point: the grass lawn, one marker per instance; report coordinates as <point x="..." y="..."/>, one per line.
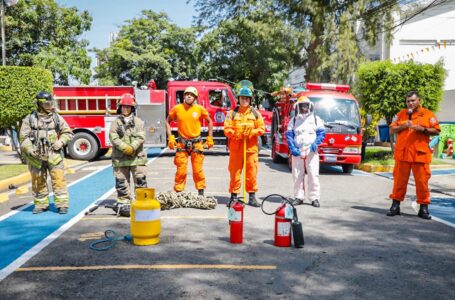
<point x="7" y="171"/>
<point x="378" y="156"/>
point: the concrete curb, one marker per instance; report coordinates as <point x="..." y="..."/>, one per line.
<point x="16" y="180"/>
<point x="374" y="168"/>
<point x="388" y="168"/>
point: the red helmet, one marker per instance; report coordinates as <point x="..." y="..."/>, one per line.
<point x="127" y="100"/>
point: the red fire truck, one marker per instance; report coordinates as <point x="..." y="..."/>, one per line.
<point x="90" y="111"/>
<point x="340" y="112"/>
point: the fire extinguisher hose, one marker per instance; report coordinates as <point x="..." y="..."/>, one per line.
<point x="111" y="238"/>
<point x="285" y="200"/>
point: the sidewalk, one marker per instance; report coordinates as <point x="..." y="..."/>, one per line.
<point x="8" y="156"/>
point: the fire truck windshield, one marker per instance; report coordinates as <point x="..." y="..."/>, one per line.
<point x="337" y="111"/>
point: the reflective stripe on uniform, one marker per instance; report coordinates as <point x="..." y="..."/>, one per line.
<point x="55" y="160"/>
<point x="60" y="200"/>
<point x="41" y="202"/>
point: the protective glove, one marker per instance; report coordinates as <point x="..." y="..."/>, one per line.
<point x="129" y="150"/>
<point x="238" y="135"/>
<point x="209" y="142"/>
<point x="247" y="131"/>
<point x="320" y="136"/>
<point x="314" y="147"/>
<point x="172" y="144"/>
<point x="57" y="145"/>
<point x="295" y="151"/>
<point x="32" y="153"/>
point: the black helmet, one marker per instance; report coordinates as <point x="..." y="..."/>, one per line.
<point x="45" y="101"/>
<point x="43" y="96"/>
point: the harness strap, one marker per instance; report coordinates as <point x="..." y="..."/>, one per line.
<point x="236" y="110"/>
<point x="189" y="144"/>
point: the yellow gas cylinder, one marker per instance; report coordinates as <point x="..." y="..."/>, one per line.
<point x="145" y="218"/>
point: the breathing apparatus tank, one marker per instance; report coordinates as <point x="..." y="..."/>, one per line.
<point x="145" y="218"/>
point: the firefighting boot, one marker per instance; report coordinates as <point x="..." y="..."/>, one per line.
<point x="200" y="192"/>
<point x="125" y="210"/>
<point x="252" y="200"/>
<point x="394" y="209"/>
<point x="315" y="203"/>
<point x="63" y="210"/>
<point x="121" y="209"/>
<point x="297" y="201"/>
<point x="423" y="212"/>
<point x="38" y="210"/>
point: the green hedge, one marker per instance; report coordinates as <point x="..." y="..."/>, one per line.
<point x="18" y="88"/>
<point x="381" y="86"/>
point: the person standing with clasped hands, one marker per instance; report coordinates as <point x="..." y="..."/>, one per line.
<point x="304" y="134"/>
<point x="413" y="125"/>
<point x="127" y="135"/>
<point x="243" y="125"/>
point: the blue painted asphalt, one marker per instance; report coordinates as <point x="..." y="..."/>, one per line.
<point x="433" y="173"/>
<point x="443" y="208"/>
<point x="23" y="230"/>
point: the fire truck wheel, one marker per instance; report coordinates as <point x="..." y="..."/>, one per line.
<point x="348" y="168"/>
<point x="83" y="146"/>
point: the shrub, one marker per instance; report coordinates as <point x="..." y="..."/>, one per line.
<point x="18" y="88"/>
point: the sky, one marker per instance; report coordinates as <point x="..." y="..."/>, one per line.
<point x="109" y="15"/>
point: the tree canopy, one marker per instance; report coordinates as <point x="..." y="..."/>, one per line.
<point x="331" y="31"/>
<point x="42" y="33"/>
<point x="262" y="51"/>
<point x="18" y="88"/>
<point x="381" y="86"/>
<point x="148" y="47"/>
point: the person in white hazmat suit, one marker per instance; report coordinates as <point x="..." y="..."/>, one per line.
<point x="304" y="134"/>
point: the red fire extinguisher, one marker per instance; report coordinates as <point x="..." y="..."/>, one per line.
<point x="282" y="228"/>
<point x="287" y="225"/>
<point x="235" y="217"/>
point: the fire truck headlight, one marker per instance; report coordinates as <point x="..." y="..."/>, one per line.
<point x="352" y="149"/>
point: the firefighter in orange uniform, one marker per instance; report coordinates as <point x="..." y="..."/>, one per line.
<point x="413" y="126"/>
<point x="244" y="122"/>
<point x="189" y="142"/>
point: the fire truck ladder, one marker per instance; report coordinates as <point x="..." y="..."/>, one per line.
<point x="87" y="105"/>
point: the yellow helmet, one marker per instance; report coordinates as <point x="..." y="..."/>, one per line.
<point x="303" y="101"/>
<point x="192" y="90"/>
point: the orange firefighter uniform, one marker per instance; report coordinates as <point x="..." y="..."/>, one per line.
<point x="189" y="143"/>
<point x="412" y="152"/>
<point x="243" y="123"/>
